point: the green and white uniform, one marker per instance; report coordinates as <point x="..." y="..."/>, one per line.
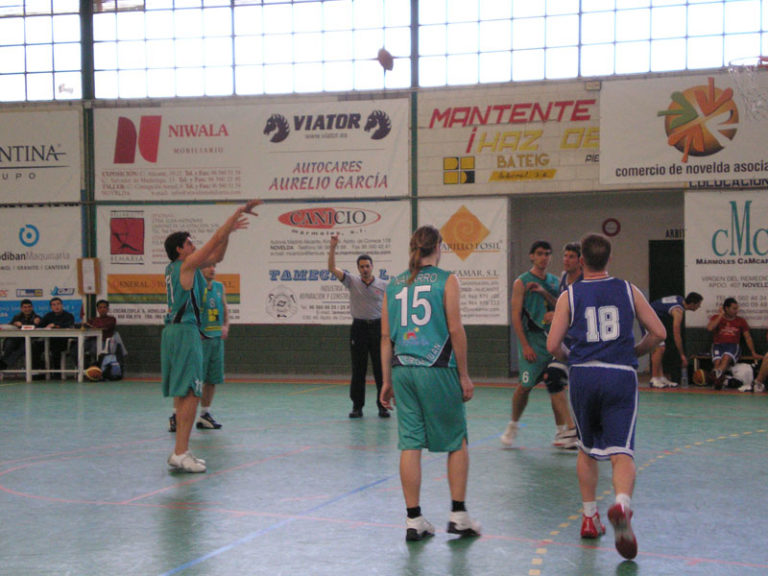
<point x="430" y="408"/>
<point x="211" y="321"/>
<point x="181" y="350"/>
<point x="534" y="308"/>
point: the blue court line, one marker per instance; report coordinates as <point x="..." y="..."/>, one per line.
<point x="248" y="537"/>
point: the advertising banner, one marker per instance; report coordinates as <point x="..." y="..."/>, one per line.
<point x="356" y="149"/>
<point x="726" y="253"/>
<point x="40" y="156"/>
<point x="475" y="249"/>
<point x="509" y="140"/>
<point x="274" y="272"/>
<point x="40" y="248"/>
<point x="686" y="129"/>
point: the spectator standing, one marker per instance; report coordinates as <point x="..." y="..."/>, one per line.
<point x="365" y="297"/>
<point x="597" y="316"/>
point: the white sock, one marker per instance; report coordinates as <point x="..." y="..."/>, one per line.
<point x="589" y="508"/>
<point x="204" y="409"/>
<point x="625" y="500"/>
<point x="562" y="428"/>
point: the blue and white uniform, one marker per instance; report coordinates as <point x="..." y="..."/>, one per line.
<point x="603" y="376"/>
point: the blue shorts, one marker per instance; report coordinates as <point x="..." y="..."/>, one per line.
<point x="604" y="406"/>
<point x="213" y="360"/>
<point x="720" y="350"/>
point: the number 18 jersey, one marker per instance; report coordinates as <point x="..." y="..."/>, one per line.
<point x="417" y="324"/>
<point x="602" y="321"/>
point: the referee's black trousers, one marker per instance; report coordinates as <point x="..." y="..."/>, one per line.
<point x="364" y="340"/>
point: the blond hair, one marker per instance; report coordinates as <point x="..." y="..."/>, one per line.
<point x="424" y="242"/>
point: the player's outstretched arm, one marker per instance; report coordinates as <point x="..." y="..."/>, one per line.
<point x="213" y="251"/>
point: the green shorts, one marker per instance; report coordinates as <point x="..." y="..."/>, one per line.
<point x="213" y="361"/>
<point x="430" y="409"/>
<point x="530" y="371"/>
<point x="181" y="360"/>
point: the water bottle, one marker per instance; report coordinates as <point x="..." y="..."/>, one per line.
<point x="684" y="377"/>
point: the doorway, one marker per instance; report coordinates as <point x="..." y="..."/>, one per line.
<point x="666" y="277"/>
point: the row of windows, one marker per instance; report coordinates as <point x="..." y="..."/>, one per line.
<point x="167" y="48"/>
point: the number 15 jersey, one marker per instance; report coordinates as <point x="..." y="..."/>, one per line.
<point x="602" y="322"/>
<point x="417" y="324"/>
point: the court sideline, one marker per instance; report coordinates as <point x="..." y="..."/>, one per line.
<point x="296" y="487"/>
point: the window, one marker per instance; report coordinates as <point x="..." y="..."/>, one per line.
<point x="40" y="55"/>
<point x="197" y="48"/>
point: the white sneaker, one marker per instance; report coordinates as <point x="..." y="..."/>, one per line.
<point x="566" y="439"/>
<point x="461" y="523"/>
<point x="417" y="529"/>
<point x="658" y="383"/>
<point x="745" y="388"/>
<point x="510" y="433"/>
<point x="758" y="387"/>
<point x="669" y="383"/>
<point x="186" y="463"/>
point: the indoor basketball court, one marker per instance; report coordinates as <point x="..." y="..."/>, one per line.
<point x="296" y="487"/>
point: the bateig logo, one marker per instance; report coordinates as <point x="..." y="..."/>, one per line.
<point x="740" y="238"/>
<point x="377" y="124"/>
<point x="329" y="218"/>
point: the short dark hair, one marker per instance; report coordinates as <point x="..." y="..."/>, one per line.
<point x="693" y="298"/>
<point x="573" y="247"/>
<point x="52" y="300"/>
<point x="540" y="244"/>
<point x="102" y="302"/>
<point x="596" y="250"/>
<point x="728" y="301"/>
<point x="364" y="257"/>
<point x="173" y="241"/>
<point x="26" y="301"/>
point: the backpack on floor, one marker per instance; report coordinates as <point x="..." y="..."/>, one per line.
<point x="110" y="367"/>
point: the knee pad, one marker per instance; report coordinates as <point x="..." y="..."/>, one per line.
<point x="555" y="377"/>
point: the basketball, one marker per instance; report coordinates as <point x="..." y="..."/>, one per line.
<point x="385" y="59"/>
<point x="699" y="377"/>
<point x="93" y="373"/>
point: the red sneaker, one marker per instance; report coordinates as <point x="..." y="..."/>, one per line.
<point x="621" y="519"/>
<point x="591" y="527"/>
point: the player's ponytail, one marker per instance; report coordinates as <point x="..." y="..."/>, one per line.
<point x="424" y="242"/>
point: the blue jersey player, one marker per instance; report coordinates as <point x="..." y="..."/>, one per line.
<point x="597" y="316"/>
<point x="672" y="307"/>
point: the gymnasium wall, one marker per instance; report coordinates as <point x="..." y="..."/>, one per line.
<point x="511" y="163"/>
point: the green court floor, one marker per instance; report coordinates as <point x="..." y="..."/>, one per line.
<point x="295" y="487"/>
